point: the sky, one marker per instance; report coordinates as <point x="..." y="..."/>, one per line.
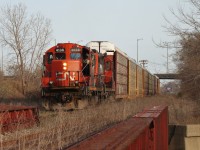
<point x="121" y="22"/>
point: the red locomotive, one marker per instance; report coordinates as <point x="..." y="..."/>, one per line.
<point x="74" y="73"/>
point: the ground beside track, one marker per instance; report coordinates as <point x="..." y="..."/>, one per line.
<point x="63" y="128"/>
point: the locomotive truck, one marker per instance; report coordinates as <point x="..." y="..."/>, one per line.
<point x="74" y="73"/>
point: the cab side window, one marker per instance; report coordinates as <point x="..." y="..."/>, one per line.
<point x="49" y="57"/>
<point x="86" y="64"/>
<point x="107" y="66"/>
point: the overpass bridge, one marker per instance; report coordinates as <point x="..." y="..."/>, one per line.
<point x="167" y="76"/>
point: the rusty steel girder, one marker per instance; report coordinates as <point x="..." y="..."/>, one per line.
<point x="14" y="118"/>
<point x="146" y="130"/>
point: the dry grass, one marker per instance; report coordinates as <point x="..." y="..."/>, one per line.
<point x="10" y="93"/>
<point x="181" y="111"/>
<point x="62" y="128"/>
<point x="9" y="89"/>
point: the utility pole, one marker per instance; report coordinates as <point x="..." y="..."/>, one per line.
<point x="166" y="44"/>
<point x="138" y="46"/>
<point x="2" y="59"/>
<point x="143" y="63"/>
<point x="167" y="58"/>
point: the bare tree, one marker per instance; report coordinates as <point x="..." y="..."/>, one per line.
<point x="1" y="75"/>
<point x="187" y="30"/>
<point x="26" y="35"/>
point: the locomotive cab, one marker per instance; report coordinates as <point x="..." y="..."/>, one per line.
<point x="66" y="65"/>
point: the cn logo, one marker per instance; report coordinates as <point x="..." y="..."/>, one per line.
<point x="61" y="73"/>
<point x="72" y="77"/>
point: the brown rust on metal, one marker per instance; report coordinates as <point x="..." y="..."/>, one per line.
<point x="13" y="118"/>
<point x="117" y="137"/>
<point x="4" y="107"/>
<point x="147" y="130"/>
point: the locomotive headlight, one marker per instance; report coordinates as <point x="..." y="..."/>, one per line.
<point x="65" y="64"/>
<point x="64" y="68"/>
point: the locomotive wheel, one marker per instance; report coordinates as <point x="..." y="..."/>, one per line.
<point x="46" y="104"/>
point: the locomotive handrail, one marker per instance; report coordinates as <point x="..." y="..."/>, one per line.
<point x="83" y="74"/>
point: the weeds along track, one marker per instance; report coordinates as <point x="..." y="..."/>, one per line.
<point x="61" y="128"/>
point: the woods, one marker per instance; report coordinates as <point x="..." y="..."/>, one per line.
<point x="186" y="30"/>
<point x="26" y="36"/>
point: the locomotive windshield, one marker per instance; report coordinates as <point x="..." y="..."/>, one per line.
<point x="75" y="56"/>
<point x="75" y="53"/>
<point x="60" y="56"/>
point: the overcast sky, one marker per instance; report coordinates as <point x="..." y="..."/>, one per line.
<point x="119" y="21"/>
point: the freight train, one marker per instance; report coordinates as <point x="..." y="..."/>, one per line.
<point x="74" y="73"/>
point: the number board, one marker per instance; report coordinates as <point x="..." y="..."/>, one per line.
<point x="60" y="50"/>
<point x="75" y="49"/>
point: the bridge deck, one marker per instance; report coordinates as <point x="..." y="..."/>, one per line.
<point x="168" y="76"/>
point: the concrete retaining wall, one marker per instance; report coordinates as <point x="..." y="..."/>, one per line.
<point x="184" y="137"/>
